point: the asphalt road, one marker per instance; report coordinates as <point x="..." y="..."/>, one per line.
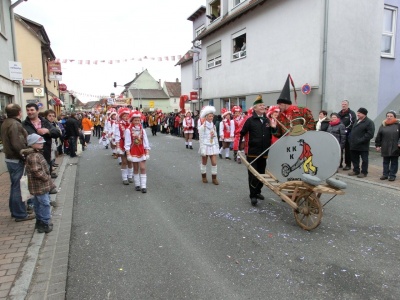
<point x="189" y="240"/>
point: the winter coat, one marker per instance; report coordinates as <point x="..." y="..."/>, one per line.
<point x="361" y="134"/>
<point x="339" y="132"/>
<point x="14" y="137"/>
<point x="37" y="169"/>
<point x="71" y="127"/>
<point x="348" y="118"/>
<point x="53" y="134"/>
<point x="388" y="138"/>
<point x="260" y="134"/>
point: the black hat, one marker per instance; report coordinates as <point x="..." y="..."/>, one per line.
<point x="258" y="100"/>
<point x="285" y="94"/>
<point x="363" y="110"/>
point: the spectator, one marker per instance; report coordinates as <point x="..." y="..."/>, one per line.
<point x="14" y="137"/>
<point x="323" y="121"/>
<point x="348" y="118"/>
<point x="361" y="134"/>
<point x="39" y="182"/>
<point x="50" y="115"/>
<point x="41" y="126"/>
<point x="72" y="134"/>
<point x="387" y="142"/>
<point x="87" y="127"/>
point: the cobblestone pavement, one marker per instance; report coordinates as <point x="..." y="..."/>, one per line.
<point x="20" y="261"/>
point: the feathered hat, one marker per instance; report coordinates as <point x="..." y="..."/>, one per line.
<point x="225" y="112"/>
<point x="206" y="110"/>
<point x="258" y="100"/>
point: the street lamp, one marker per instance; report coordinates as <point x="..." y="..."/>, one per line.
<point x="139" y="100"/>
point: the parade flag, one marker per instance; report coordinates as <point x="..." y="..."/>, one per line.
<point x="80" y="61"/>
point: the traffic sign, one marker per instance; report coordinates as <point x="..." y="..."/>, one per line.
<point x="40" y="104"/>
<point x="306" y="89"/>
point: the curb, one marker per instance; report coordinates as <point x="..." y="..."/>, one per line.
<point x="368" y="181"/>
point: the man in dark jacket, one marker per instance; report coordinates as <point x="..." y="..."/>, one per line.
<point x="259" y="132"/>
<point x="348" y="118"/>
<point x="361" y="134"/>
<point x="14" y="137"/>
<point x="72" y="133"/>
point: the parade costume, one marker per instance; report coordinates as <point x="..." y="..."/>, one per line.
<point x="271" y="110"/>
<point x="236" y="142"/>
<point x="109" y="129"/>
<point x="188" y="129"/>
<point x="119" y="136"/>
<point x="137" y="148"/>
<point x="226" y="132"/>
<point x="208" y="145"/>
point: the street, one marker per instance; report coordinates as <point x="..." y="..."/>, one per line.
<point x="188" y="240"/>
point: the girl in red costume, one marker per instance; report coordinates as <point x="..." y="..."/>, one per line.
<point x="188" y="129"/>
<point x="119" y="131"/>
<point x="226" y="132"/>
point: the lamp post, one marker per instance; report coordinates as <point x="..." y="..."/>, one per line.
<point x="139" y="100"/>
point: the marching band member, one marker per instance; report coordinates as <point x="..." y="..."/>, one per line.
<point x="208" y="144"/>
<point x="137" y="149"/>
<point x="237" y="143"/>
<point x="188" y="125"/>
<point x="119" y="135"/>
<point x="226" y="132"/>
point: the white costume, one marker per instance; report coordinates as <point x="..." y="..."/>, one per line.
<point x="208" y="139"/>
<point x="136" y="148"/>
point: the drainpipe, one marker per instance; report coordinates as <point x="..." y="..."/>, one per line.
<point x="324" y="56"/>
<point x="14" y="45"/>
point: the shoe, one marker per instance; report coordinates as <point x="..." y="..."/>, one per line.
<point x="253" y="201"/>
<point x="341" y="167"/>
<point x="130" y="180"/>
<point x="120" y="163"/>
<point x="353" y="173"/>
<point x="346" y="168"/>
<point x="187" y="147"/>
<point x="144" y="190"/>
<point x="220" y="155"/>
<point x="53" y="203"/>
<point x="125" y="182"/>
<point x="55" y="165"/>
<point x="29" y="208"/>
<point x="41" y="227"/>
<point x="106" y="147"/>
<point x="228" y="158"/>
<point x="392" y="178"/>
<point x="54" y="175"/>
<point x="27" y="218"/>
<point x="53" y="191"/>
<point x="259" y="196"/>
<point x="191" y="147"/>
<point x="383" y="177"/>
<point x="137" y="188"/>
<point x="361" y="175"/>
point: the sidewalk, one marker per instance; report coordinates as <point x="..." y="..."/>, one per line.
<point x="20" y="261"/>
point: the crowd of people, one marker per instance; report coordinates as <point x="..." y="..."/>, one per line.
<point x="32" y="144"/>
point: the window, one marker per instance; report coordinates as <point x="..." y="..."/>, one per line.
<point x="200" y="30"/>
<point x="197" y="69"/>
<point x="214" y="55"/>
<point x="389" y="31"/>
<point x="239" y="45"/>
<point x="237" y="2"/>
<point x="2" y="26"/>
<point x="214" y="10"/>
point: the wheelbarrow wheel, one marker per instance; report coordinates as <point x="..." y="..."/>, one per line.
<point x="308" y="215"/>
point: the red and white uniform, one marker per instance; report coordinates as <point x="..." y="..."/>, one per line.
<point x="109" y="129"/>
<point x="136" y="143"/>
<point x="188" y="125"/>
<point x="238" y="127"/>
<point x="227" y="130"/>
<point x="119" y="135"/>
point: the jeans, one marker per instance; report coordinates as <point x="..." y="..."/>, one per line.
<point x="355" y="159"/>
<point x="41" y="204"/>
<point x="17" y="206"/>
<point x="390" y="166"/>
<point x="255" y="185"/>
<point x="72" y="146"/>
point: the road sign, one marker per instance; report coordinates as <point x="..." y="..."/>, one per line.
<point x="306" y="89"/>
<point x="151" y="104"/>
<point x="40" y="104"/>
<point x="38" y="92"/>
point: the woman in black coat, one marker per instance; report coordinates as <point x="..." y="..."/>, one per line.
<point x="387" y="141"/>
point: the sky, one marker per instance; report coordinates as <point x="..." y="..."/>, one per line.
<point x="114" y="30"/>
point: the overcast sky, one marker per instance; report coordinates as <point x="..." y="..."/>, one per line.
<point x="113" y="30"/>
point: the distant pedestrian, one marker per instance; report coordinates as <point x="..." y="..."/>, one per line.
<point x="361" y="134"/>
<point x="39" y="182"/>
<point x="14" y="137"/>
<point x="348" y="118"/>
<point x="72" y="134"/>
<point x="387" y="142"/>
<point x="188" y="129"/>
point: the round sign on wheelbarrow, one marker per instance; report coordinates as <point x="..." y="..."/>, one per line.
<point x="314" y="153"/>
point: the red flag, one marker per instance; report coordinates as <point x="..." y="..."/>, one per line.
<point x="166" y="58"/>
<point x="80" y="61"/>
<point x="64" y="61"/>
<point x="95" y="62"/>
<point x="173" y="58"/>
<point x="110" y="62"/>
<point x="88" y="62"/>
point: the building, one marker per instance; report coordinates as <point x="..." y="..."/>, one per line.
<point x="173" y="90"/>
<point x="338" y="47"/>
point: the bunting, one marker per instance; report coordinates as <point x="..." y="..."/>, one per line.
<point x="124" y="60"/>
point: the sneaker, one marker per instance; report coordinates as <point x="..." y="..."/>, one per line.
<point x="361" y="175"/>
<point x="383" y="177"/>
<point x="353" y="173"/>
<point x="27" y="218"/>
<point x="125" y="182"/>
<point x="346" y="168"/>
